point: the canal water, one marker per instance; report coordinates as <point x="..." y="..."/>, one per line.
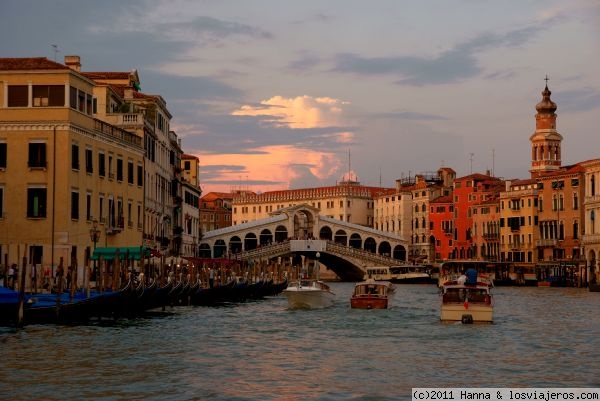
<point x="542" y="337"/>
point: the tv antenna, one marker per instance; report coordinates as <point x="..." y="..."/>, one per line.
<point x="55" y="49"/>
<point x="471" y="160"/>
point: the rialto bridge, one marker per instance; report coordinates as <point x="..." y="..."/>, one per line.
<point x="290" y="233"/>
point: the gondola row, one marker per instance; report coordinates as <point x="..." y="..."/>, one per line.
<point x="133" y="300"/>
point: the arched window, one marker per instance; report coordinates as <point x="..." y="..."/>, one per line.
<point x="593" y="185"/>
<point x="423" y="208"/>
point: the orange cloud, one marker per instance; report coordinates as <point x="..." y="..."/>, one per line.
<point x="298" y="112"/>
<point x="275" y="163"/>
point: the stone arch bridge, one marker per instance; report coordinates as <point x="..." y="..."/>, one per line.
<point x="345" y="248"/>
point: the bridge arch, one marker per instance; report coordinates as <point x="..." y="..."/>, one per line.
<point x="235" y="244"/>
<point x="205" y="251"/>
<point x="250" y="241"/>
<point x="304" y="221"/>
<point x="370" y="245"/>
<point x="399" y="252"/>
<point x="341" y="237"/>
<point x="355" y="241"/>
<point x="281" y="233"/>
<point x="219" y="249"/>
<point x="326" y="233"/>
<point x="385" y="248"/>
<point x="266" y="237"/>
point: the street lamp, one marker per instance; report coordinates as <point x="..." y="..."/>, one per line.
<point x="318" y="255"/>
<point x="94" y="236"/>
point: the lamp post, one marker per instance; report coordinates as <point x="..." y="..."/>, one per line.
<point x="318" y="255"/>
<point x="94" y="236"/>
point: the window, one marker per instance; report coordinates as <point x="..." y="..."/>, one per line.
<point x="2" y="155"/>
<point x="101" y="165"/>
<point x="36" y="202"/>
<point x="37" y="155"/>
<point x="187" y="165"/>
<point x="75" y="205"/>
<point x="130" y="178"/>
<point x="119" y="169"/>
<point x="18" y="95"/>
<point x="48" y="95"/>
<point x="89" y="162"/>
<point x="73" y="97"/>
<point x="140" y="176"/>
<point x="1" y="202"/>
<point x="88" y="206"/>
<point x="75" y="156"/>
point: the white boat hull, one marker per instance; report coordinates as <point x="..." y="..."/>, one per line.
<point x="315" y="295"/>
<point x="457" y="312"/>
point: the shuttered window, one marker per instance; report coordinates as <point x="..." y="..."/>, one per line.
<point x="17" y="96"/>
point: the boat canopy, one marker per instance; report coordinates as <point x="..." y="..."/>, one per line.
<point x="125" y="252"/>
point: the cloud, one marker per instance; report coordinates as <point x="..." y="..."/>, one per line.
<point x="275" y="162"/>
<point x="454" y="65"/>
<point x="579" y="100"/>
<point x="299" y="112"/>
<point x="209" y="29"/>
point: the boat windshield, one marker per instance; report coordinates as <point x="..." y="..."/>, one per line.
<point x="461" y="294"/>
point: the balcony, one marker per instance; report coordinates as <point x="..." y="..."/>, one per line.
<point x="592" y="199"/>
<point x="590" y="239"/>
<point x="546" y="242"/>
<point x="491" y="236"/>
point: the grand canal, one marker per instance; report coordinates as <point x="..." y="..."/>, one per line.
<point x="542" y="337"/>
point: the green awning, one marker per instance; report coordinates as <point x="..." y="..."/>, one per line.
<point x="125" y="252"/>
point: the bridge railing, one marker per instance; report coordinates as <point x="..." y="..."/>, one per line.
<point x="282" y="248"/>
<point x="276" y="249"/>
<point x="357" y="253"/>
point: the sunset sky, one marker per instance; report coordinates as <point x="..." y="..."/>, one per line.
<point x="277" y="95"/>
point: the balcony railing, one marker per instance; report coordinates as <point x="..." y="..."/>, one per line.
<point x="589" y="239"/>
<point x="546" y="242"/>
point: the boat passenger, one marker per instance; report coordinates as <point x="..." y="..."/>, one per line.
<point x="462" y="279"/>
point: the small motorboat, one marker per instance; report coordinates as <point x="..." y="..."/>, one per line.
<point x="467" y="300"/>
<point x="308" y="294"/>
<point x="371" y="294"/>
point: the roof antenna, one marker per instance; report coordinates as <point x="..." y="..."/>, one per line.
<point x="55" y="49"/>
<point x="471" y="160"/>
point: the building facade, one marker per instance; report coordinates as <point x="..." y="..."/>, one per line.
<point x="64" y="172"/>
<point x="591" y="235"/>
<point x="348" y="201"/>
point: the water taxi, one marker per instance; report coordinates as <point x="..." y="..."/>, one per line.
<point x="371" y="294"/>
<point x="467" y="301"/>
<point x="308" y="294"/>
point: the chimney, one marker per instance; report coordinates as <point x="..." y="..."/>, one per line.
<point x="73" y="62"/>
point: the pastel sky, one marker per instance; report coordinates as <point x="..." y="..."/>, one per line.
<point x="290" y="94"/>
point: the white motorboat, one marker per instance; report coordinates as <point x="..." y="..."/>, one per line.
<point x="308" y="294"/>
<point x="467" y="301"/>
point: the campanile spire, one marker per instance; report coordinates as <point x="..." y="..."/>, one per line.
<point x="545" y="141"/>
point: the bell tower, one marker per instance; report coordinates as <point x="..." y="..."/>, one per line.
<point x="545" y="141"/>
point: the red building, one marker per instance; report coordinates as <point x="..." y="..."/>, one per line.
<point x="441" y="226"/>
<point x="470" y="191"/>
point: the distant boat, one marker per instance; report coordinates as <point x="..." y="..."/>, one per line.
<point x="371" y="294"/>
<point x="403" y="274"/>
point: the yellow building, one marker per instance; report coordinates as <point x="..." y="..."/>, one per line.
<point x="61" y="169"/>
<point x="591" y="236"/>
<point x="519" y="233"/>
<point x="348" y="201"/>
